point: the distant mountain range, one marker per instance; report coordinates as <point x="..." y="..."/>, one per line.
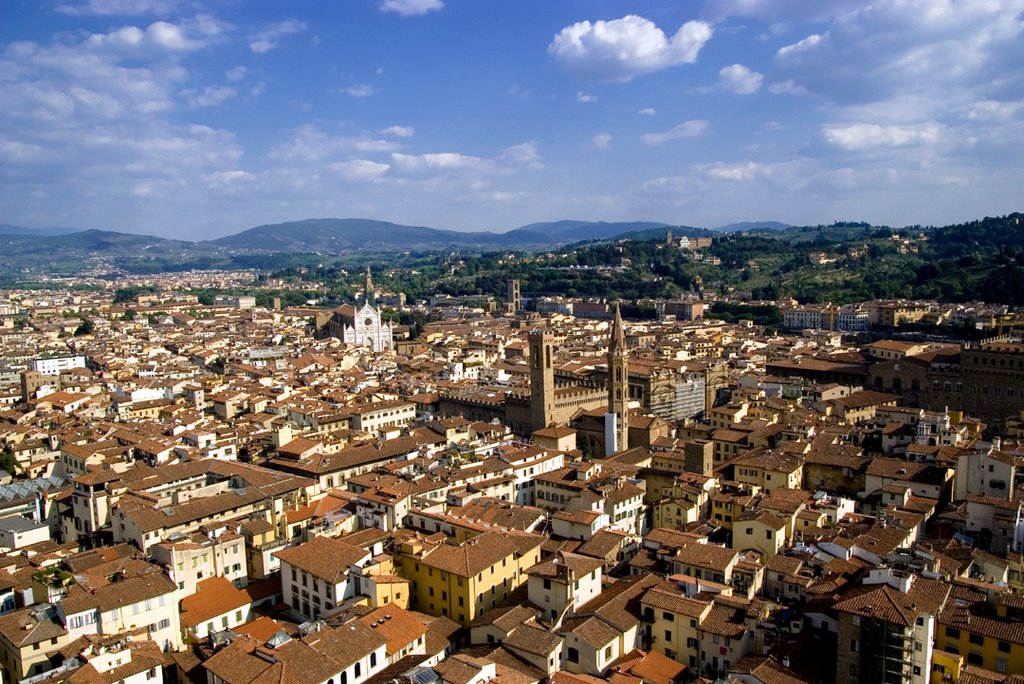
<point x="752" y="226"/>
<point x="67" y="249"/>
<point x="8" y="229"/>
<point x="342" y="235"/>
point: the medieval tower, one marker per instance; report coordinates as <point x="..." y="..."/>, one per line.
<point x="542" y="379"/>
<point x="616" y="421"/>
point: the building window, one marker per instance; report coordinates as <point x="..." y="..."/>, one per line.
<point x="574" y="655"/>
<point x="952" y="633"/>
<point x="976" y="639"/>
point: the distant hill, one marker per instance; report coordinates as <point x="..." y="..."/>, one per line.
<point x="91" y="241"/>
<point x="341" y="235"/>
<point x="749" y="226"/>
<point x="335" y="236"/>
<point x="8" y="229"/>
<point x="660" y="233"/>
<point x="575" y="231"/>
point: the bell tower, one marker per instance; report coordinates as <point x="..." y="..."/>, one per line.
<point x="515" y="302"/>
<point x="371" y="296"/>
<point x="542" y="379"/>
<point x="616" y="421"/>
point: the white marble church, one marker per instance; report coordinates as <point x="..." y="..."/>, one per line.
<point x="360" y="325"/>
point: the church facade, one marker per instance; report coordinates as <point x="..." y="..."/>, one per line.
<point x="360" y="325"/>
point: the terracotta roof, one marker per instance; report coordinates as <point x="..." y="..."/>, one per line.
<point x="324" y="557"/>
<point x="214" y="596"/>
<point x="396" y="625"/>
<point x="479" y="553"/>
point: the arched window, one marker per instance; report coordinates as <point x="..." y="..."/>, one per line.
<point x="373" y="660"/>
<point x="359" y="668"/>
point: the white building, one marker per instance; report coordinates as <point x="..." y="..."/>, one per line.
<point x="17" y="532"/>
<point x="563" y="583"/>
<point x="361" y="327"/>
<point x="315" y="575"/>
<point x="54" y="365"/>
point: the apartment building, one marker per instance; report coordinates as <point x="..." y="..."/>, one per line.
<point x="315" y="576"/>
<point x="461" y="581"/>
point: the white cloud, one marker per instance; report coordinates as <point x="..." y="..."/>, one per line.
<point x="158" y="36"/>
<point x="210" y="96"/>
<point x="228" y="178"/>
<point x="861" y="136"/>
<point x="991" y="110"/>
<point x="687" y="129"/>
<point x="410" y="8"/>
<point x="437" y="161"/>
<point x="360" y="169"/>
<point x="801" y="46"/>
<point x="949" y="51"/>
<point x="236" y="74"/>
<point x="739" y="79"/>
<point x="772" y="11"/>
<point x="358" y="90"/>
<point x="622" y="49"/>
<point x="584" y="98"/>
<point x="788" y="87"/>
<point x="14" y="152"/>
<point x="524" y="154"/>
<point x="669" y="185"/>
<point x="270" y="37"/>
<point x="307" y="144"/>
<point x="373" y="145"/>
<point x="745" y="171"/>
<point x="647" y="111"/>
<point x="120" y="7"/>
<point x="602" y="141"/>
<point x="399" y="131"/>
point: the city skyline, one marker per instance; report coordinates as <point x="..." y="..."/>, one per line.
<point x="193" y="120"/>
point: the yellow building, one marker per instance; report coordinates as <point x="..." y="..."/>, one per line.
<point x="945" y="667"/>
<point x="769" y="469"/>
<point x="764" y="532"/>
<point x="460" y="581"/>
<point x="675" y="513"/>
<point x="992" y="639"/>
<point x="675" y="624"/>
<point x="27" y="638"/>
<point x="726" y="507"/>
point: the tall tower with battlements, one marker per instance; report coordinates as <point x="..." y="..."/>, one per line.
<point x="542" y="379"/>
<point x="616" y="421"/>
<point x="515" y="302"/>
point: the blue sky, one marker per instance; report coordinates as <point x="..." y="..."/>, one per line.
<point x="199" y="118"/>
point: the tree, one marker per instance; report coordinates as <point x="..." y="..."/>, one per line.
<point x="84" y="328"/>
